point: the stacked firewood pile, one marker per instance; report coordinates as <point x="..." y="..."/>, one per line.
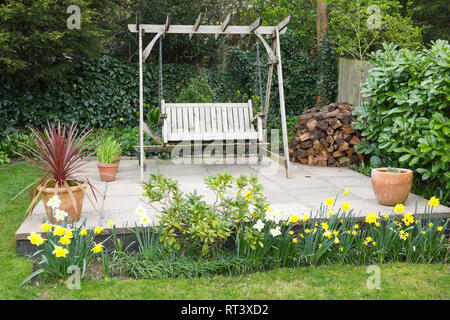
<point x="325" y="137"/>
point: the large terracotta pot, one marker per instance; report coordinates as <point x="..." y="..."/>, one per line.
<point x="108" y="171"/>
<point x="391" y="188"/>
<point x="67" y="203"/>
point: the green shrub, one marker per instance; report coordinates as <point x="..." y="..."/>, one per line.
<point x="407" y="115"/>
<point x="197" y="91"/>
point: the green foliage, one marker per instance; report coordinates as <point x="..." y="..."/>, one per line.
<point x="407" y="116"/>
<point x="4" y="158"/>
<point x="35" y="43"/>
<point x="432" y="16"/>
<point x="272" y="12"/>
<point x="349" y="27"/>
<point x="108" y="150"/>
<point x="197" y="91"/>
<point x="103" y="93"/>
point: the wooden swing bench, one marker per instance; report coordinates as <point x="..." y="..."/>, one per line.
<point x="229" y="123"/>
<point x="184" y="123"/>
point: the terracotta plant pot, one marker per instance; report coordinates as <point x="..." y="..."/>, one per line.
<point x="108" y="171"/>
<point x="67" y="203"/>
<point x="118" y="159"/>
<point x="391" y="188"/>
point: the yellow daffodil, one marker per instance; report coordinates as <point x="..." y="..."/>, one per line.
<point x="330" y="211"/>
<point x="423" y="232"/>
<point x="83" y="232"/>
<point x="345" y="206"/>
<point x="434" y="202"/>
<point x="248" y="196"/>
<point x="327" y="234"/>
<point x="329" y="201"/>
<point x="356" y="226"/>
<point x="408" y="219"/>
<point x="346" y="192"/>
<point x="372" y="218"/>
<point x="64" y="240"/>
<point x="293" y="218"/>
<point x="36" y="239"/>
<point x="307" y="231"/>
<point x="59" y="231"/>
<point x="341" y="249"/>
<point x="294" y="240"/>
<point x="399" y="208"/>
<point x="336" y="240"/>
<point x="98" y="230"/>
<point x="324" y="226"/>
<point x="430" y="224"/>
<point x="320" y="245"/>
<point x="110" y="223"/>
<point x="439" y="229"/>
<point x="60" y="252"/>
<point x="68" y="234"/>
<point x="386" y="216"/>
<point x="305" y="218"/>
<point x="353" y="232"/>
<point x="291" y="232"/>
<point x="97" y="248"/>
<point x="46" y="227"/>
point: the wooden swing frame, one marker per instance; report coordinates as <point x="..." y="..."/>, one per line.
<point x="274" y="57"/>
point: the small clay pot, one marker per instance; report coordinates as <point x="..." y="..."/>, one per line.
<point x="67" y="203"/>
<point x="391" y="188"/>
<point x="108" y="171"/>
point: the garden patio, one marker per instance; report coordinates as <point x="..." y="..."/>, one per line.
<point x="302" y="193"/>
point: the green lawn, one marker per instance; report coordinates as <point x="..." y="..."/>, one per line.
<point x="398" y="281"/>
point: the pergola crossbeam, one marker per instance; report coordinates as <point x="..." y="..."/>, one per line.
<point x="224" y="26"/>
<point x="255" y="25"/>
<point x="202" y="29"/>
<point x="197" y="24"/>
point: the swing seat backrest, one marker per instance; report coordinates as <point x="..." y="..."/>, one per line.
<point x="209" y="122"/>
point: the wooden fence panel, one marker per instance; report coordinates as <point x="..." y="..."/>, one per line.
<point x="351" y="74"/>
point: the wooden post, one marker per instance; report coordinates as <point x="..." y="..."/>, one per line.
<point x="321" y="28"/>
<point x="141" y="108"/>
<point x="282" y="107"/>
<point x="268" y="89"/>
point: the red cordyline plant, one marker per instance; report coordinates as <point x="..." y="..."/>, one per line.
<point x="59" y="154"/>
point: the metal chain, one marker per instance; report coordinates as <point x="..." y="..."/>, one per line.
<point x="258" y="74"/>
<point x="160" y="75"/>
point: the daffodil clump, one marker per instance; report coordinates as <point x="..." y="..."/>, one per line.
<point x="258" y="230"/>
<point x="62" y="245"/>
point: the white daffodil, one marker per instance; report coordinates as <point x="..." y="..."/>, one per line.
<point x="145" y="220"/>
<point x="54" y="202"/>
<point x="259" y="225"/>
<point x="275" y="232"/>
<point x="140" y="210"/>
<point x="273" y="216"/>
<point x="60" y="215"/>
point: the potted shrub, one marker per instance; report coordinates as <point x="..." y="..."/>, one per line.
<point x="108" y="157"/>
<point x="391" y="185"/>
<point x="59" y="152"/>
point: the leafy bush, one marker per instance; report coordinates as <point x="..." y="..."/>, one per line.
<point x="197" y="91"/>
<point x="407" y="115"/>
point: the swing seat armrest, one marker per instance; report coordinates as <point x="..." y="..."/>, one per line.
<point x="259" y="115"/>
<point x="161" y="118"/>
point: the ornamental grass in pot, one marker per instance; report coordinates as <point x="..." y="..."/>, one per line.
<point x="391" y="185"/>
<point x="108" y="157"/>
<point x="58" y="152"/>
